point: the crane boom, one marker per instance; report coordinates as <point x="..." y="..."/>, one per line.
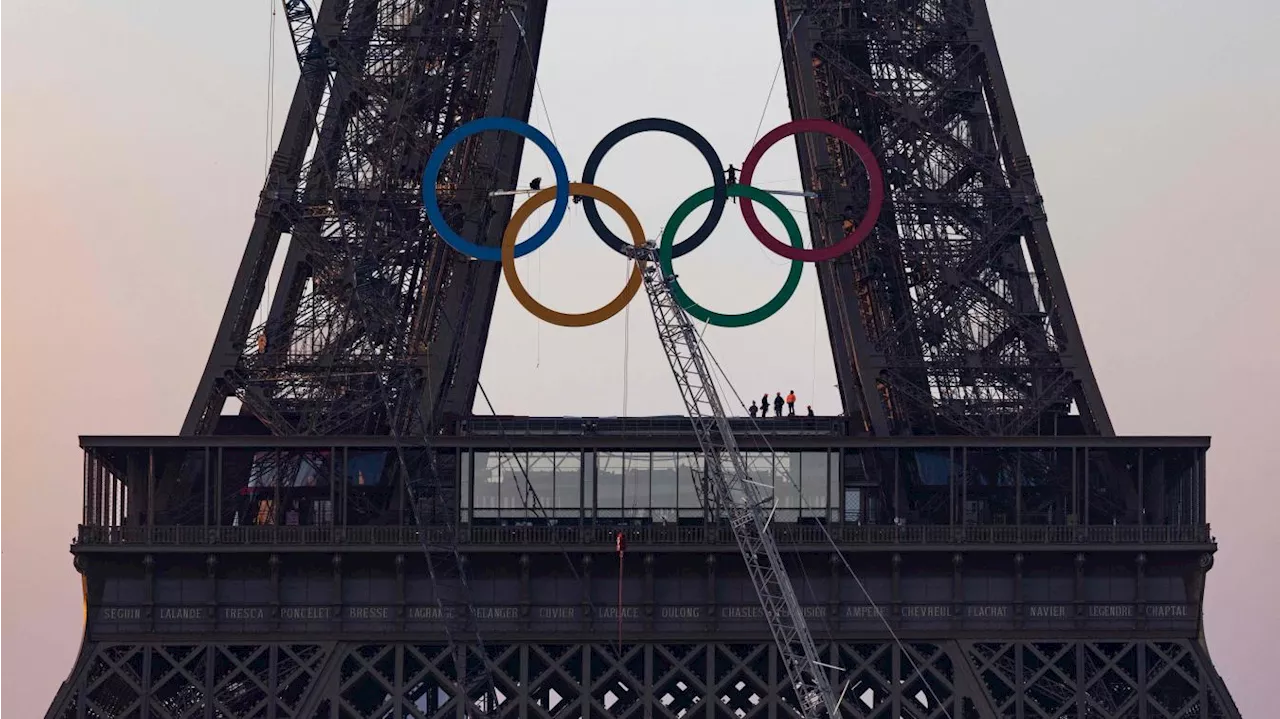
<point x="737" y="496"/>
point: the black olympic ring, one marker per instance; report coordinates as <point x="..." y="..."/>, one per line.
<point x="720" y="190"/>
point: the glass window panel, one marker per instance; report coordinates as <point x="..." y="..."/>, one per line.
<point x="486" y="484"/>
<point x="542" y="475"/>
<point x="365" y="468"/>
<point x="759" y="472"/>
<point x="322" y="512"/>
<point x="834" y="484"/>
<point x="511" y="487"/>
<point x="664" y="483"/>
<point x="786" y="473"/>
<point x="635" y="485"/>
<point x="589" y="483"/>
<point x="688" y="503"/>
<point x="609" y="469"/>
<point x="726" y="466"/>
<point x="853" y="505"/>
<point x="813" y="484"/>
<point x="464" y="485"/>
<point x="465" y="480"/>
<point x="760" y="469"/>
<point x="568" y="484"/>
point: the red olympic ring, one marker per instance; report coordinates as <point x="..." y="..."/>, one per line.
<point x="874" y="201"/>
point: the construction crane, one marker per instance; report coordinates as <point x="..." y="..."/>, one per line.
<point x="736" y="496"/>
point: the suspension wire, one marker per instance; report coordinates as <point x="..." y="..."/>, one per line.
<point x="777" y="71"/>
<point x="264" y="304"/>
<point x="917" y="670"/>
<point x="271" y="84"/>
<point x="542" y="99"/>
<point x="537" y="86"/>
<point x="626" y="352"/>
<point x="764" y="110"/>
<point x="804" y="573"/>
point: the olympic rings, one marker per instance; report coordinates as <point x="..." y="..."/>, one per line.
<point x="431" y="174"/>
<point x="864" y="226"/>
<point x="765" y="311"/>
<point x="655" y="124"/>
<point x="669" y="248"/>
<point x="543" y="312"/>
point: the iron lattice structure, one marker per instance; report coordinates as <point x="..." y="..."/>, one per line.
<point x="951" y="319"/>
<point x="375" y="326"/>
<point x="1033" y="679"/>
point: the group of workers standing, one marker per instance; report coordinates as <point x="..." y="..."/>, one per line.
<point x="763" y="408"/>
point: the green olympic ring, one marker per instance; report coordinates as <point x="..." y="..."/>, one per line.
<point x="718" y="319"/>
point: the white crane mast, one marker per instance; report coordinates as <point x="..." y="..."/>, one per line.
<point x="736" y="497"/>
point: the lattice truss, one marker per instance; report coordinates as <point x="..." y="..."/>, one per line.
<point x="1102" y="680"/>
<point x="362" y="288"/>
<point x="964" y="324"/>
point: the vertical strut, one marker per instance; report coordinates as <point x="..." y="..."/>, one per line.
<point x="736" y="497"/>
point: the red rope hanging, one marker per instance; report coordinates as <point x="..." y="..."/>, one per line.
<point x="620" y="543"/>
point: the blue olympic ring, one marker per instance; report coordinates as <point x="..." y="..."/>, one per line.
<point x="431" y="174"/>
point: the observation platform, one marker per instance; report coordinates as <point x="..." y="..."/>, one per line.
<point x="594" y="476"/>
<point x="238" y="533"/>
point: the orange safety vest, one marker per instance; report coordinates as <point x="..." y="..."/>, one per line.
<point x="791" y="398"/>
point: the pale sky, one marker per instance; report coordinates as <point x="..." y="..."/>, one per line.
<point x="134" y="135"/>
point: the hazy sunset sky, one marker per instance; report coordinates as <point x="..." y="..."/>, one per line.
<point x="134" y="137"/>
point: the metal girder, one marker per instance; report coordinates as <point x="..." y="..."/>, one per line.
<point x="251" y="277"/>
<point x="953" y="317"/>
<point x="384" y="81"/>
<point x="1039" y="679"/>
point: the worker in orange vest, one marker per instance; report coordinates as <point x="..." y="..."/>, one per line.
<point x="791" y="403"/>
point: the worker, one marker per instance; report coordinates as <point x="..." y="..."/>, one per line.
<point x="810" y="410"/>
<point x="262" y="343"/>
<point x="753" y="409"/>
<point x="764" y="406"/>
<point x="791" y="403"/>
<point x="777" y="405"/>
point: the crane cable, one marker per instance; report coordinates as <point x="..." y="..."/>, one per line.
<point x="916" y="668"/>
<point x="542" y="99"/>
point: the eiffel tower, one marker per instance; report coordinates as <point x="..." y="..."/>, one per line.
<point x="306" y="555"/>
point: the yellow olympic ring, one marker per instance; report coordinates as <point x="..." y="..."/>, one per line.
<point x="544" y="313"/>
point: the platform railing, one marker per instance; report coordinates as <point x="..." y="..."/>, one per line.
<point x="657" y="535"/>
<point x="644" y="426"/>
